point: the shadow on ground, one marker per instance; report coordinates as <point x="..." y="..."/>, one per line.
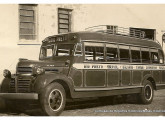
<point x="29" y="109"/>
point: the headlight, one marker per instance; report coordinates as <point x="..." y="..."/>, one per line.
<point x="40" y="70"/>
<point x="7" y="73"/>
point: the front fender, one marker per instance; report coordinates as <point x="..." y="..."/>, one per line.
<point x="44" y="80"/>
<point x="5" y="85"/>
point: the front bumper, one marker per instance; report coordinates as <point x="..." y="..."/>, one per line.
<point x="19" y="96"/>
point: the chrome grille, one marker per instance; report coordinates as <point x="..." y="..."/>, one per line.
<point x="24" y="70"/>
<point x="23" y="85"/>
<point x="20" y="85"/>
<point x="12" y="85"/>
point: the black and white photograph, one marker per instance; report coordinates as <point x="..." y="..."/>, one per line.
<point x="67" y="59"/>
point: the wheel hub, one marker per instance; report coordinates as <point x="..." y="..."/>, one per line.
<point x="55" y="100"/>
<point x="148" y="92"/>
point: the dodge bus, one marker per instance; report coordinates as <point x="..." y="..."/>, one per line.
<point x="92" y="63"/>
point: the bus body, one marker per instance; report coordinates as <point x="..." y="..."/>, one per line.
<point x="87" y="64"/>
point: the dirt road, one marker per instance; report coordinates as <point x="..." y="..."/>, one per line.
<point x="130" y="107"/>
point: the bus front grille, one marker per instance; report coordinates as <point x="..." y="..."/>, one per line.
<point x="24" y="70"/>
<point x="23" y="85"/>
<point x="20" y="86"/>
<point x="12" y="87"/>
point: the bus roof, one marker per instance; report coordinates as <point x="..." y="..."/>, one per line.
<point x="75" y="37"/>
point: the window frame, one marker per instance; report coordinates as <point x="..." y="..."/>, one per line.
<point x="159" y="50"/>
<point x="53" y="51"/>
<point x="146" y="49"/>
<point x="76" y="49"/>
<point x="35" y="22"/>
<point x="69" y="19"/>
<point x="137" y="48"/>
<point x="72" y="51"/>
<point x="154" y="50"/>
<point x="93" y="44"/>
<point x="122" y="46"/>
<point x="109" y="45"/>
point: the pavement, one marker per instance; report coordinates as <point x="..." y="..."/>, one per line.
<point x="95" y="107"/>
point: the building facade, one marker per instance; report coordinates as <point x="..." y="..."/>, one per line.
<point x="23" y="27"/>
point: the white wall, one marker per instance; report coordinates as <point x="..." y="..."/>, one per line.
<point x="83" y="16"/>
<point x="8" y="24"/>
<point x="48" y="19"/>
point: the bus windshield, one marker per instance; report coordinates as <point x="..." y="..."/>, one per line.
<point x="64" y="49"/>
<point x="56" y="50"/>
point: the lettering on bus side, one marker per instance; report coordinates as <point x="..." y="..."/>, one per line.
<point x="112" y="67"/>
<point x="127" y="67"/>
<point x="140" y="67"/>
<point x="161" y="67"/>
<point x="151" y="67"/>
<point x="97" y="66"/>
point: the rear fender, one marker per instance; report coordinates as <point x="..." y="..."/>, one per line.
<point x="149" y="78"/>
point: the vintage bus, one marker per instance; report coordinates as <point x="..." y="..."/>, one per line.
<point x="93" y="63"/>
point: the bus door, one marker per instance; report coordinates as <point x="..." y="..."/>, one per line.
<point x="94" y="72"/>
<point x="76" y="71"/>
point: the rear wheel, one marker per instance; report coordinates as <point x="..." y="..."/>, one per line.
<point x="146" y="96"/>
<point x="53" y="99"/>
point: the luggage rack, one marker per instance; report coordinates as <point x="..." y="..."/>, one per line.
<point x="111" y="29"/>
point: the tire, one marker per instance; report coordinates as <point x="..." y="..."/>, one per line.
<point x="53" y="99"/>
<point x="146" y="96"/>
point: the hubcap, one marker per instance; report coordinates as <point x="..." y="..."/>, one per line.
<point x="148" y="92"/>
<point x="55" y="100"/>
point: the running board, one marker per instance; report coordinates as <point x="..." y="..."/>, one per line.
<point x="105" y="89"/>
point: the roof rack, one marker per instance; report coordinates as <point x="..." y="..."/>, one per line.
<point x="112" y="29"/>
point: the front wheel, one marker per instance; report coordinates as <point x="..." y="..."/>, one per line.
<point x="146" y="96"/>
<point x="53" y="99"/>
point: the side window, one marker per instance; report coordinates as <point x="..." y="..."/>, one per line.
<point x="124" y="53"/>
<point x="64" y="49"/>
<point x="93" y="53"/>
<point x="112" y="52"/>
<point x="135" y="53"/>
<point x="154" y="56"/>
<point x="89" y="53"/>
<point x="161" y="58"/>
<point x="99" y="53"/>
<point x="78" y="50"/>
<point x="145" y="55"/>
<point x="47" y="51"/>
